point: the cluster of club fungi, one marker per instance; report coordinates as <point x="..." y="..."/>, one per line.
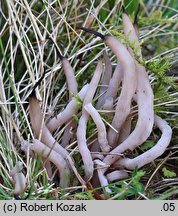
<point x="105" y="160"/>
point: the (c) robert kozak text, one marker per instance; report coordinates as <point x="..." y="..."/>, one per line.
<point x="25" y="207"/>
<point x="35" y="207"/>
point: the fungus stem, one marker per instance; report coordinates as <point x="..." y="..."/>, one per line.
<point x="19" y="179"/>
<point x="152" y="153"/>
<point x="102" y="137"/>
<point x="82" y="125"/>
<point x="71" y="109"/>
<point x="42" y="150"/>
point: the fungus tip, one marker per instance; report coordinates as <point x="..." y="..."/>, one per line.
<point x="57" y="50"/>
<point x="136" y="15"/>
<point x="93" y="32"/>
<point x="123" y="9"/>
<point x="37" y="84"/>
<point x="95" y="193"/>
<point x="138" y="9"/>
<point x="16" y="197"/>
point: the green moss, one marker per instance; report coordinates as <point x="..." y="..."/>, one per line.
<point x="90" y="127"/>
<point x="167" y="173"/>
<point x="147" y="145"/>
<point x="155" y="18"/>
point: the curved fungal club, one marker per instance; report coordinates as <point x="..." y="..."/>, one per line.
<point x="129" y="82"/>
<point x="18" y="178"/>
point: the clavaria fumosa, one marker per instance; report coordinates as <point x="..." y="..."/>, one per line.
<point x="104" y="160"/>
